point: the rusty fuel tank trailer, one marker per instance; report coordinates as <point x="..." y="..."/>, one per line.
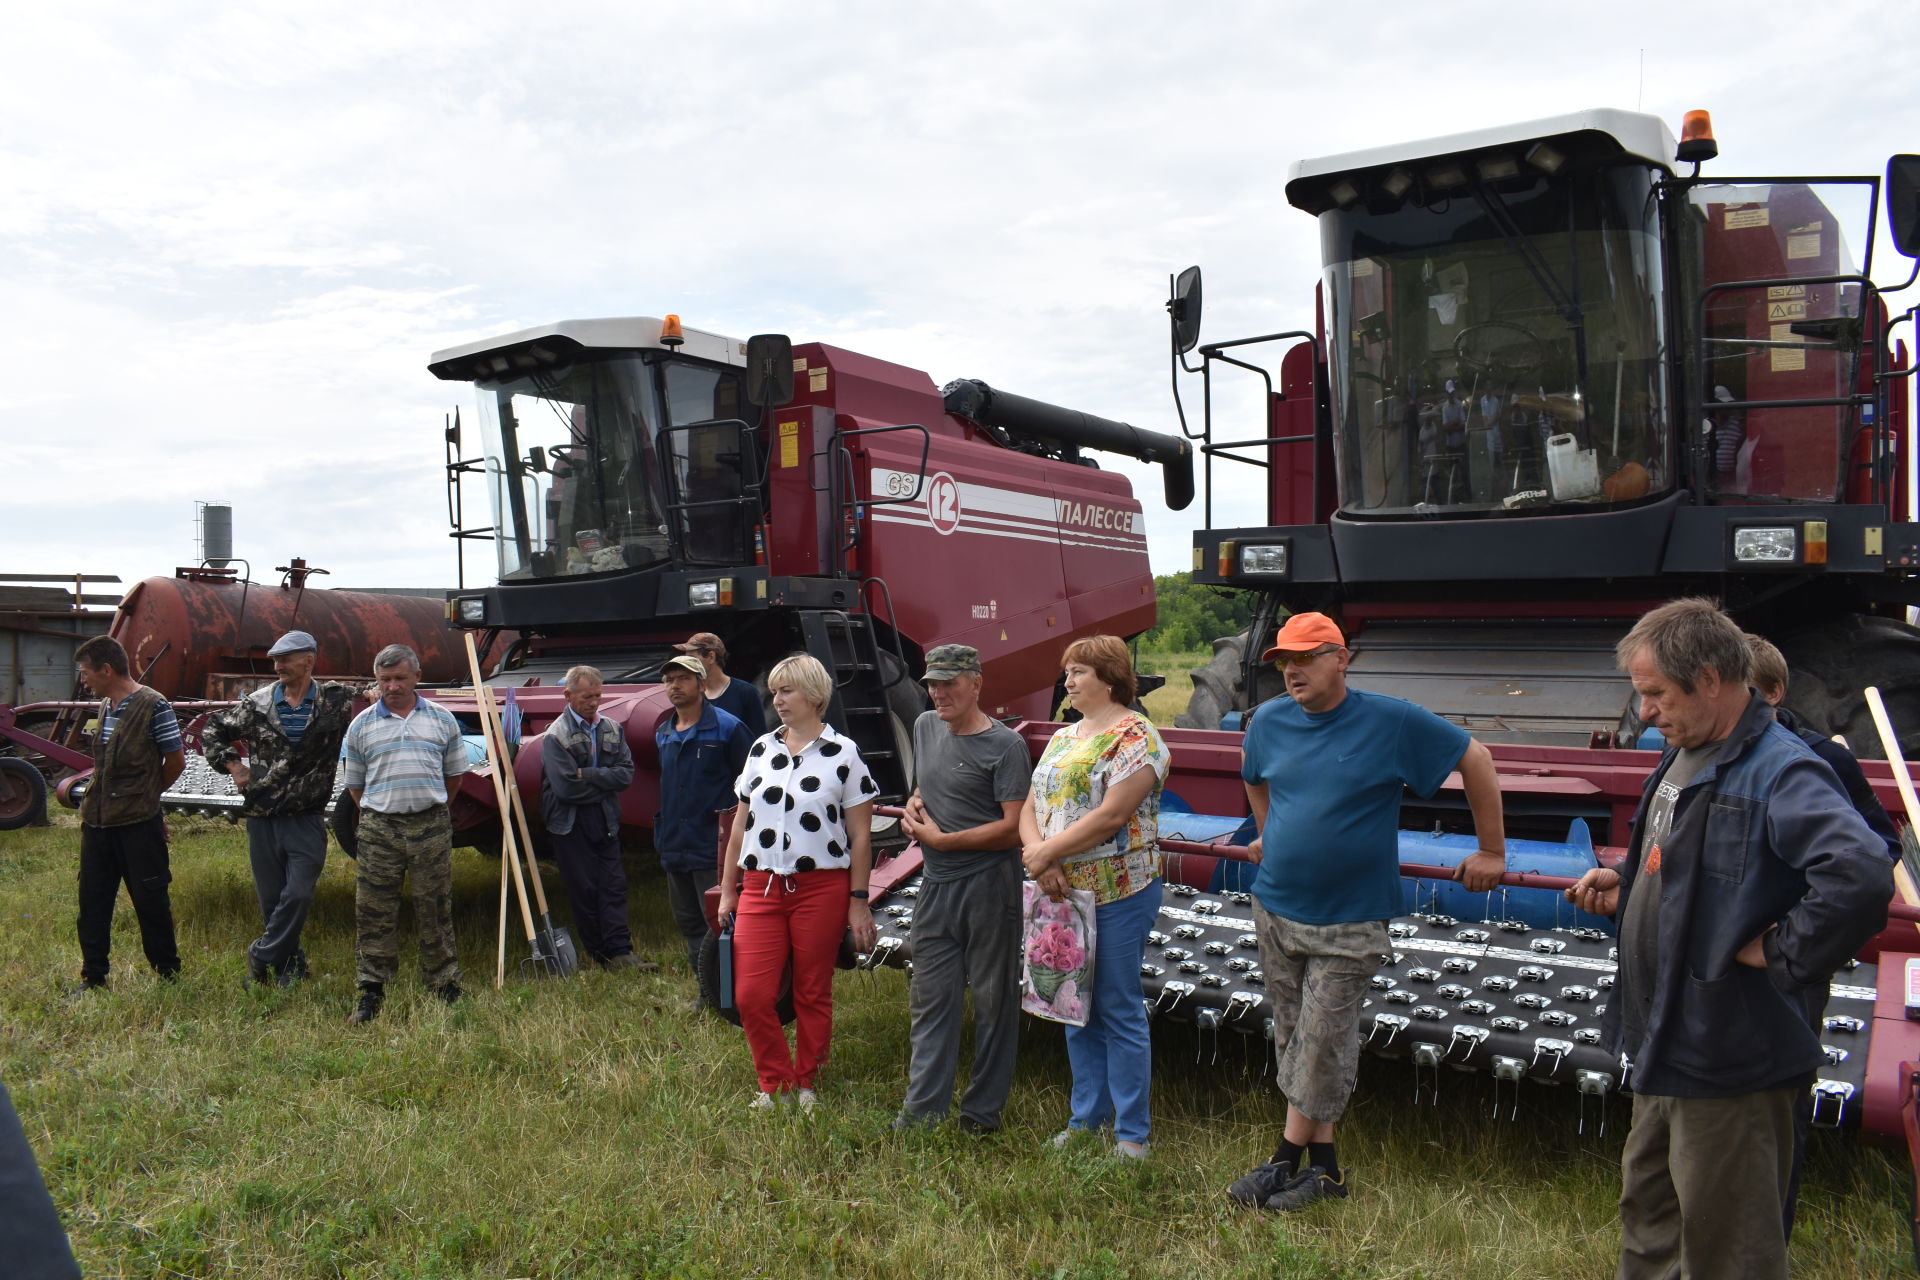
<point x="204" y="633"/>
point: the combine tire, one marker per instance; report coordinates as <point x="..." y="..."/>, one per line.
<point x="23" y="794"/>
<point x="1218" y="687"/>
<point x="1830" y="666"/>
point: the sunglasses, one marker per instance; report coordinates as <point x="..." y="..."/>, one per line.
<point x="1301" y="659"/>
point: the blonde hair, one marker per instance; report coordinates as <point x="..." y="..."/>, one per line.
<point x="805" y="673"/>
<point x="1111" y="664"/>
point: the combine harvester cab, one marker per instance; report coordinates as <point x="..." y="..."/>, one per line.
<point x="645" y="481"/>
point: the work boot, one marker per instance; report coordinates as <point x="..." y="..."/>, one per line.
<point x="450" y="994"/>
<point x="258" y="971"/>
<point x="292" y="970"/>
<point x="372" y="995"/>
<point x="1254" y="1189"/>
<point x="1309" y="1186"/>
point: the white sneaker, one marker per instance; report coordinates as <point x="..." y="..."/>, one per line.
<point x="1131" y="1150"/>
<point x="761" y="1102"/>
<point x="807" y="1099"/>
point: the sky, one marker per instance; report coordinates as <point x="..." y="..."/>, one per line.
<point x="231" y="234"/>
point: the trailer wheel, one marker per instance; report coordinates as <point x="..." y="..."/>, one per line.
<point x="23" y="794"/>
<point x="709" y="974"/>
<point x="1830" y="666"/>
<point x="1219" y="687"/>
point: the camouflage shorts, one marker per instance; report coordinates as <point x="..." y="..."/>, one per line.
<point x="1317" y="976"/>
<point x="393" y="848"/>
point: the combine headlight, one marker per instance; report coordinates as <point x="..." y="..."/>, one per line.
<point x="1768" y="544"/>
<point x="703" y="595"/>
<point x="1264" y="558"/>
<point x="471" y="610"/>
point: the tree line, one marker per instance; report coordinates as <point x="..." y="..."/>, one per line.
<point x="1191" y="617"/>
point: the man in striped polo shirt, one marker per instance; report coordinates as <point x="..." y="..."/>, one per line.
<point x="402" y="758"/>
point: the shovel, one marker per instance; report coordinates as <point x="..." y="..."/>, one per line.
<point x="553" y="949"/>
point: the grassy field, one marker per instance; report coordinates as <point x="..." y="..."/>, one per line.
<point x="597" y="1128"/>
<point x="1165" y="703"/>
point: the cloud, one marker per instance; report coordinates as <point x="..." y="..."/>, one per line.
<point x="233" y="234"/>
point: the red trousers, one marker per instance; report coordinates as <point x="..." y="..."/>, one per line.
<point x="797" y="919"/>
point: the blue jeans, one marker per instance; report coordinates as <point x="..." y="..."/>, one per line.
<point x="1112" y="1056"/>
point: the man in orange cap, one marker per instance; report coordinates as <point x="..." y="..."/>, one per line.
<point x="1325" y="769"/>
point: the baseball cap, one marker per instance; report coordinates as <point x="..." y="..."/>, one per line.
<point x="685" y="662"/>
<point x="293" y="642"/>
<point x="703" y="640"/>
<point x="1304" y="631"/>
<point x="945" y="661"/>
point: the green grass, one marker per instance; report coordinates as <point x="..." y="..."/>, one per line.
<point x="1165" y="703"/>
<point x="597" y="1128"/>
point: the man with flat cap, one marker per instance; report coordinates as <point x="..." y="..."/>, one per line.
<point x="971" y="775"/>
<point x="1325" y="770"/>
<point x="292" y="730"/>
<point x="738" y="698"/>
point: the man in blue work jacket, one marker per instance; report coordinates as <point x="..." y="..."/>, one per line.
<point x="702" y="750"/>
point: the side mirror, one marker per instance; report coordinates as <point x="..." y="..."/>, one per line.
<point x="1184" y="307"/>
<point x="769" y="369"/>
<point x="453" y="429"/>
<point x="1903" y="203"/>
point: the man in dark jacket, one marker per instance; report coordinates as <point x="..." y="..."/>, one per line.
<point x="1770" y="678"/>
<point x="1750" y="879"/>
<point x="702" y="749"/>
<point x="292" y="729"/>
<point x="137" y="754"/>
<point x="584" y="766"/>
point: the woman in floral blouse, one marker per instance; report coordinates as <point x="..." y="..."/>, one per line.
<point x="1092" y="822"/>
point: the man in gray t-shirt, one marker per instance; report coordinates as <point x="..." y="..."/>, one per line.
<point x="971" y="774"/>
<point x="1639" y="925"/>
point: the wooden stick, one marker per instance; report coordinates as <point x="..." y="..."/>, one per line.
<point x="518" y="810"/>
<point x="483" y="697"/>
<point x="500" y="964"/>
<point x="1890" y="743"/>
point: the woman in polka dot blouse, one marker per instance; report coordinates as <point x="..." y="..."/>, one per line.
<point x="795" y="879"/>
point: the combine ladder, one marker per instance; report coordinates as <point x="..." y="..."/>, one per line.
<point x="847" y="645"/>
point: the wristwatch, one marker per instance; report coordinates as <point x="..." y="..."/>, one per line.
<point x="857" y="893"/>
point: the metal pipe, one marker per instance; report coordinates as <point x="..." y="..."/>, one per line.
<point x="1051" y="424"/>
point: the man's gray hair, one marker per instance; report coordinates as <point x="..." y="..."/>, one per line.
<point x="396" y="655"/>
<point x="577" y="674"/>
<point x="1686" y="637"/>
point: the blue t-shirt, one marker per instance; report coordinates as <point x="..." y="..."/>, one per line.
<point x="1331" y="846"/>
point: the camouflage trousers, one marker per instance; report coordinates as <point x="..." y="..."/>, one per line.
<point x="394" y="847"/>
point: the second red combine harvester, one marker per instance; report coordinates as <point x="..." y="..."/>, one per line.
<point x="645" y="480"/>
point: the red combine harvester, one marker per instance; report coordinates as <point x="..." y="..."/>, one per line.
<point x="1556" y="378"/>
<point x="1552" y="383"/>
<point x="645" y="481"/>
